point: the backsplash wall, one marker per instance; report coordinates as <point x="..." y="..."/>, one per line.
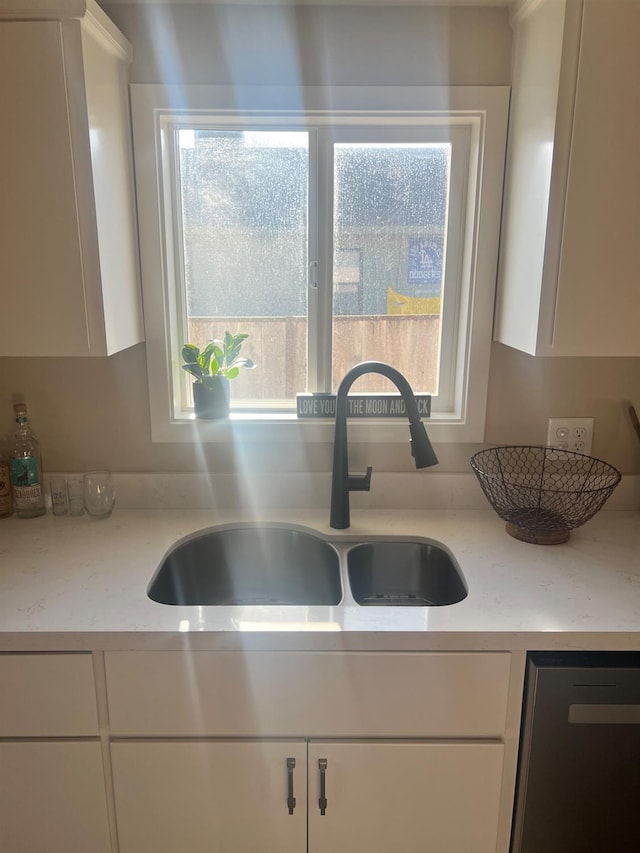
<point x="90" y="412"/>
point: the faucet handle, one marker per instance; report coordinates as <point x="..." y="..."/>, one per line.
<point x="360" y="482"/>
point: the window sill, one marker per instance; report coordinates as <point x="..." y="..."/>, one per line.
<point x="282" y="427"/>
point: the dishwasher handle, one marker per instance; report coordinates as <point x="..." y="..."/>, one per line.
<point x="604" y="714"/>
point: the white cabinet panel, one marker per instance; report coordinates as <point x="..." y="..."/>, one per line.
<point x="109" y="126"/>
<point x="598" y="300"/>
<point x="203" y="796"/>
<point x="409" y="797"/>
<point x="197" y="796"/>
<point x="68" y="240"/>
<point x="46" y="695"/>
<point x="39" y="235"/>
<point x="263" y="694"/>
<point x="527" y="212"/>
<point x="52" y="798"/>
<point x="569" y="250"/>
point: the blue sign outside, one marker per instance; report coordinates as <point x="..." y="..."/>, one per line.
<point x="424" y="275"/>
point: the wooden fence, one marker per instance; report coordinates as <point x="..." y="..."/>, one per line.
<point x="278" y="345"/>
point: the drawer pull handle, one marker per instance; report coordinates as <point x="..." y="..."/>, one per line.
<point x="322" y="802"/>
<point x="291" y="800"/>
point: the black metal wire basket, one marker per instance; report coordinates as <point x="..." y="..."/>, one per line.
<point x="543" y="493"/>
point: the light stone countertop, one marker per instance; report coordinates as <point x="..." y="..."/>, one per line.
<point x="78" y="583"/>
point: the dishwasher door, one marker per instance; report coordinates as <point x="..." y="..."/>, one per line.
<point x="578" y="788"/>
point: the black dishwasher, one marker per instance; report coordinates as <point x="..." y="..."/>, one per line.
<point x="578" y="785"/>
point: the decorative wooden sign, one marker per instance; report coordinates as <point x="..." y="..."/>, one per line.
<point x="360" y="405"/>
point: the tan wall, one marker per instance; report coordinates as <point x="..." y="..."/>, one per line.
<point x="91" y="412"/>
<point x="314" y="45"/>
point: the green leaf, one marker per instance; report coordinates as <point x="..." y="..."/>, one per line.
<point x="237" y="346"/>
<point x="219" y="355"/>
<point x="247" y="363"/>
<point x="205" y="357"/>
<point x="194" y="370"/>
<point x="190" y="353"/>
<point x="222" y="357"/>
<point x="237" y="342"/>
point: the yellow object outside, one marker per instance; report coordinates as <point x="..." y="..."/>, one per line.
<point x="399" y="304"/>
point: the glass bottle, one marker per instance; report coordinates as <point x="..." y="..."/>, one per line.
<point x="6" y="498"/>
<point x="26" y="469"/>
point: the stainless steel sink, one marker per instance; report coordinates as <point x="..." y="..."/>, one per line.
<point x="281" y="565"/>
<point x="404" y="573"/>
<point x="249" y="565"/>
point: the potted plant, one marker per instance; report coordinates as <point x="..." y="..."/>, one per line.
<point x="213" y="368"/>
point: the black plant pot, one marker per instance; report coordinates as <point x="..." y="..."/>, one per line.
<point x="211" y="401"/>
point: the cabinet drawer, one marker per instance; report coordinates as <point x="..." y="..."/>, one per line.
<point x="308" y="694"/>
<point x="46" y="695"/>
<point x="52" y="798"/>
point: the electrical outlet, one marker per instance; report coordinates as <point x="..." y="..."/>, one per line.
<point x="575" y="434"/>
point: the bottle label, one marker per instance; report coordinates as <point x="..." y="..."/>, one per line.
<point x="5" y="480"/>
<point x="25" y="476"/>
<point x="6" y="503"/>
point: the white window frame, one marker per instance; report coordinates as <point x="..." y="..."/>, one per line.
<point x="482" y="109"/>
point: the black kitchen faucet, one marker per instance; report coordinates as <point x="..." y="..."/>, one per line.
<point x="342" y="481"/>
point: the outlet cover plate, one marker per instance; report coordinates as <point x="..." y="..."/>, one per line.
<point x="575" y="434"/>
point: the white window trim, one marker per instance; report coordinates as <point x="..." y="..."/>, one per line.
<point x="486" y="107"/>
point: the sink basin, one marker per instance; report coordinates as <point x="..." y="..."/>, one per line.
<point x="404" y="573"/>
<point x="249" y="565"/>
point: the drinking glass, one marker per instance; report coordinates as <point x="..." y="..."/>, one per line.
<point x="59" y="498"/>
<point x="75" y="488"/>
<point x="99" y="494"/>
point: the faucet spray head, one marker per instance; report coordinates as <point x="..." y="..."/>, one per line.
<point x="421" y="448"/>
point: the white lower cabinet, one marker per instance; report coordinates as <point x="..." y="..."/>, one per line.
<point x="364" y="797"/>
<point x="258" y="752"/>
<point x="53" y="791"/>
<point x="52" y="797"/>
<point x="203" y="796"/>
<point x="413" y="797"/>
<point x="410" y="749"/>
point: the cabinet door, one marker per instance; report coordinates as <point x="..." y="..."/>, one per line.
<point x="44" y="300"/>
<point x="52" y="797"/>
<point x="571" y="214"/>
<point x="598" y="302"/>
<point x="197" y="796"/>
<point x="413" y="797"/>
<point x="68" y="238"/>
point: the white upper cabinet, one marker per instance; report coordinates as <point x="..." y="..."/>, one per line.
<point x="570" y="251"/>
<point x="68" y="240"/>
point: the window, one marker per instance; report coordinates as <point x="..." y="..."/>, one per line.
<point x="368" y="231"/>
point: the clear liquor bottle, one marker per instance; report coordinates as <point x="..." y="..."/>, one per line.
<point x="26" y="468"/>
